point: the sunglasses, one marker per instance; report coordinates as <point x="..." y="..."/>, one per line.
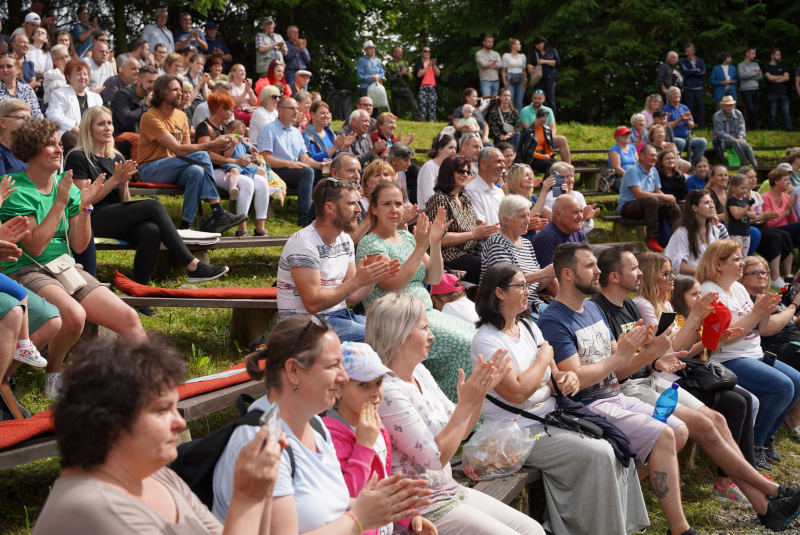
<point x="328" y="181"/>
<point x="276" y="97"/>
<point x="539" y="91"/>
<point x="462" y="171"/>
<point x="314" y="320"/>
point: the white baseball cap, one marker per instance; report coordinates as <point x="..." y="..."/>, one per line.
<point x="368" y="44"/>
<point x="362" y="363"/>
<point x="33" y="17"/>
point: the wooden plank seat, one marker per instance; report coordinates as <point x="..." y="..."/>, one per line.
<point x="506" y="488"/>
<point x="618" y="220"/>
<point x="225" y="242"/>
<point x="45" y="446"/>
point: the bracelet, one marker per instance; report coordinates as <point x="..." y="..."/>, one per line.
<point x="358" y="523"/>
<point x="87" y="209"/>
<point x="653" y="364"/>
<point x="796" y="308"/>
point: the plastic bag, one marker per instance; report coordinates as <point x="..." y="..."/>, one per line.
<point x="497" y="449"/>
<point x="378" y="95"/>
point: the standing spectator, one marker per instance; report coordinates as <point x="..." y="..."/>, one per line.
<point x="777" y="76"/>
<point x="216" y="47"/>
<point x="128" y="105"/>
<point x="729" y="132"/>
<point x="749" y="75"/>
<point x="138" y="49"/>
<point x="128" y="73"/>
<point x="724" y="78"/>
<point x="54" y="78"/>
<point x="38" y="52"/>
<point x="488" y="62"/>
<point x="158" y="34"/>
<point x="270" y="46"/>
<point x="20" y="44"/>
<point x="68" y="104"/>
<point x="694" y="69"/>
<point x="300" y="82"/>
<point x="513" y="73"/>
<point x="163" y="137"/>
<point x="652" y="104"/>
<point x="188" y="36"/>
<point x="284" y="150"/>
<point x="369" y="69"/>
<point x="549" y="59"/>
<point x="427" y="72"/>
<point x="503" y="120"/>
<point x="297" y="56"/>
<point x="12" y="87"/>
<point x="681" y="121"/>
<point x="100" y="68"/>
<point x="399" y="74"/>
<point x="82" y="31"/>
<point x="669" y="75"/>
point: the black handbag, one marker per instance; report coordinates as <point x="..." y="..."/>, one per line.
<point x="708" y="376"/>
<point x="515" y="78"/>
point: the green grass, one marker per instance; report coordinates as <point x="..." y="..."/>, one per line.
<point x="202" y="337"/>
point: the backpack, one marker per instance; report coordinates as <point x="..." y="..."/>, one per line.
<point x="609" y="181"/>
<point x="197" y="459"/>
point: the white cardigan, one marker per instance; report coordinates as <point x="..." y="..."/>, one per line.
<point x="64" y="107"/>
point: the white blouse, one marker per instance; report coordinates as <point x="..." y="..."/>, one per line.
<point x="53" y="79"/>
<point x="678" y="247"/>
<point x="426" y="180"/>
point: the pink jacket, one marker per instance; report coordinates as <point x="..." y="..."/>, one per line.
<point x="357" y="461"/>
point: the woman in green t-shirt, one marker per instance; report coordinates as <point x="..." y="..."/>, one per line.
<point x="58" y="219"/>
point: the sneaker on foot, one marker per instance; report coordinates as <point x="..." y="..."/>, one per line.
<point x="652" y="244"/>
<point x="769" y="450"/>
<point x="146" y="311"/>
<point x="777" y="284"/>
<point x="52" y="384"/>
<point x="761" y="461"/>
<point x="206" y="272"/>
<point x="780" y="512"/>
<point x="222" y="221"/>
<point x="731" y="493"/>
<point x="30" y="356"/>
<point x="233" y="193"/>
<point x="689" y="531"/>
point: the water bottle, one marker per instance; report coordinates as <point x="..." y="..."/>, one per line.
<point x="666" y="403"/>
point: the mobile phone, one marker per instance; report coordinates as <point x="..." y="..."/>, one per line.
<point x="557" y="186"/>
<point x="667" y="319"/>
<point x="272" y="419"/>
<point x="769" y="358"/>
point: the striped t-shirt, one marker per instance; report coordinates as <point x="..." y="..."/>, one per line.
<point x="498" y="248"/>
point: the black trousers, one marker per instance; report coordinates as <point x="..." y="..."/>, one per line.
<point x="549" y="87"/>
<point x="751" y="99"/>
<point x="469" y="263"/>
<point x="145" y="225"/>
<point x="651" y="210"/>
<point x="407" y="96"/>
<point x="693" y="98"/>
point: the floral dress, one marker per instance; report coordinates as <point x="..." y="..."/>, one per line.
<point x="451" y="348"/>
<point x="413" y="419"/>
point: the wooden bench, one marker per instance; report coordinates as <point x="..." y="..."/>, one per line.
<point x="506" y="488"/>
<point x="191" y="409"/>
<point x="618" y="220"/>
<point x="225" y="242"/>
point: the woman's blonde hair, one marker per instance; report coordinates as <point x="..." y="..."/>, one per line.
<point x="654" y="96"/>
<point x="651" y="265"/>
<point x="375" y="166"/>
<point x="792" y="153"/>
<point x="719" y="250"/>
<point x="266" y="94"/>
<point x="170" y="59"/>
<point x="86" y="142"/>
<point x="652" y="129"/>
<point x="515" y="178"/>
<point x="390" y="321"/>
<point x="753" y="260"/>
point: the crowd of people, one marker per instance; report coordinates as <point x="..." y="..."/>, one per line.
<point x="376" y="329"/>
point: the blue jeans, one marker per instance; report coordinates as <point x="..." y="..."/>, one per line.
<point x="693" y="151"/>
<point x="303" y="180"/>
<point x="348" y="326"/>
<point x="514" y="140"/>
<point x="782" y="102"/>
<point x="290" y="76"/>
<point x="489" y="89"/>
<point x="196" y="179"/>
<point x="517" y="94"/>
<point x="776" y="387"/>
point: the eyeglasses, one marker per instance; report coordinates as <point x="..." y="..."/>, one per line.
<point x="757" y="273"/>
<point x="328" y="181"/>
<point x="669" y="274"/>
<point x="426" y="51"/>
<point x="314" y="320"/>
<point x="538" y="91"/>
<point x="523" y="285"/>
<point x="104" y="40"/>
<point x="462" y="171"/>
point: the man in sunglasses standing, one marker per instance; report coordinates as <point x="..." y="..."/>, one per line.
<point x="283" y="148"/>
<point x="317" y="273"/>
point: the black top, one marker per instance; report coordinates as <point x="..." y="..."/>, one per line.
<point x="775" y="88"/>
<point x="82" y="103"/>
<point x="621" y="320"/>
<point x="674" y="185"/>
<point x="83" y="169"/>
<point x="207" y="129"/>
<point x="741" y="226"/>
<point x="548" y="71"/>
<point x="126" y="110"/>
<point x="781" y="342"/>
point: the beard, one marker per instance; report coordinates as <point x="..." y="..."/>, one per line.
<point x="588" y="287"/>
<point x="343" y="222"/>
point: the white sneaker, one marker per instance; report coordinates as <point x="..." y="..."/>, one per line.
<point x="52" y="384"/>
<point x="30" y="356"/>
<point x="777" y="284"/>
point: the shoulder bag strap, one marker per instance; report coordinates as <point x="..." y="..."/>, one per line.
<point x="552" y="379"/>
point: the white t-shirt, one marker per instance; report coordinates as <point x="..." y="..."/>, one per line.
<point x="514" y="65"/>
<point x="463" y="309"/>
<point x="98" y="74"/>
<point x="485" y="200"/>
<point x="677" y="249"/>
<point x="42" y="61"/>
<point x="549" y="200"/>
<point x="649" y="315"/>
<point x="523" y="352"/>
<point x="740" y="305"/>
<point x="320" y="492"/>
<point x="307" y="249"/>
<point x="261" y="117"/>
<point x="426" y="180"/>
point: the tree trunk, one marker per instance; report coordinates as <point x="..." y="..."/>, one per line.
<point x="120" y="29"/>
<point x="14" y="9"/>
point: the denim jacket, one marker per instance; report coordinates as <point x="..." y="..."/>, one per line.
<point x="316" y="147"/>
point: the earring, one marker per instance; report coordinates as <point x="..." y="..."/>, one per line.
<point x="295" y="389"/>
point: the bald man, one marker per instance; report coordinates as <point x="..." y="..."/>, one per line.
<point x="364" y="103"/>
<point x="565" y="227"/>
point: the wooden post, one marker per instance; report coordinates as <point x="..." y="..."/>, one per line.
<point x="247" y="324"/>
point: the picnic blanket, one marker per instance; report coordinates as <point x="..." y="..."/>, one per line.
<point x="134" y="289"/>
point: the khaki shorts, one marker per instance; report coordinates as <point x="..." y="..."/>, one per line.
<point x="648" y="389"/>
<point x="34" y="278"/>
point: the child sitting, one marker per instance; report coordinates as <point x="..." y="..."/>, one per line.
<point x="450" y="297"/>
<point x="240" y="149"/>
<point x="361" y="442"/>
<point x="468" y="119"/>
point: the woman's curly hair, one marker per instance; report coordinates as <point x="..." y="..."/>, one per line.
<point x="33" y="135"/>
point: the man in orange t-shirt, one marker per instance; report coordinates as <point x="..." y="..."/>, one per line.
<point x="167" y="156"/>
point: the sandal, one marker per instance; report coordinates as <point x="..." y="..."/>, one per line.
<point x="261" y="233"/>
<point x="242" y="234"/>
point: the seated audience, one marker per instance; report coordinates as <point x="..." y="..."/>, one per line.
<point x="12" y="86"/>
<point x="303" y="369"/>
<point x="364" y="103"/>
<point x="54" y="78"/>
<point x="660" y="135"/>
<point x="167" y="156"/>
<point x="638" y="131"/>
<point x="697" y="230"/>
<point x="729" y="133"/>
<point x="160" y="53"/>
<point x="362" y="147"/>
<point x="196" y="76"/>
<point x="776" y="385"/>
<point x="63" y="37"/>
<point x="528" y="116"/>
<point x="318" y="273"/>
<point x="13" y="113"/>
<point x="173" y="64"/>
<point x="469" y="149"/>
<point x="201" y="112"/>
<point x="589" y="211"/>
<point x="128" y="73"/>
<point x="186" y="105"/>
<point x="444" y="146"/>
<point x="60" y="223"/>
<point x="385" y="127"/>
<point x="509" y="153"/>
<point x="38" y="52"/>
<point x="282" y="147"/>
<point x="320" y="140"/>
<point x="100" y="68"/>
<point x="482" y="191"/>
<point x="461" y="238"/>
<point x="622" y="155"/>
<point x="673" y="181"/>
<point x="129" y="104"/>
<point x="266" y="113"/>
<point x="641" y="197"/>
<point x="304" y="101"/>
<point x="470" y="96"/>
<point x="652" y="104"/>
<point x="566" y="226"/>
<point x="535" y="146"/>
<point x="426" y="427"/>
<point x="580" y="469"/>
<point x="450" y="297"/>
<point x="68" y="104"/>
<point x="717" y="188"/>
<point x="234" y="171"/>
<point x="679" y="117"/>
<point x="111" y="483"/>
<point x="214" y="67"/>
<point x="276" y="75"/>
<point x="375" y="172"/>
<point x="19" y="49"/>
<point x="454" y="335"/>
<point x="778" y="200"/>
<point x="399" y="157"/>
<point x="699" y="180"/>
<point x="520" y="181"/>
<point x="509" y="245"/>
<point x="503" y="119"/>
<point x="793" y="159"/>
<point x="138" y="49"/>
